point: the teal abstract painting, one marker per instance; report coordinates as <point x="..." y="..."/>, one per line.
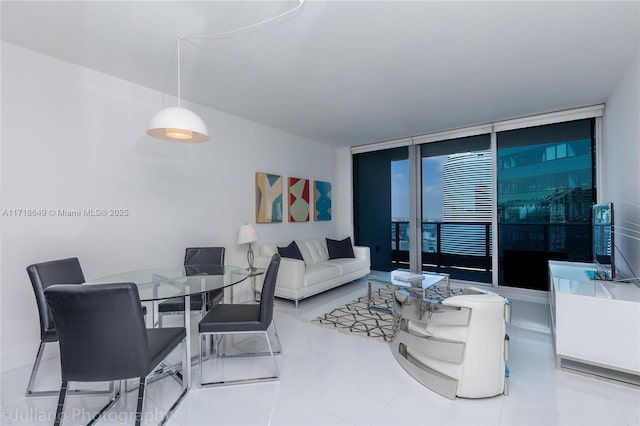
<point x="322" y="197"/>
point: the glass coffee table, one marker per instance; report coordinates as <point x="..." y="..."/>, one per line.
<point x="423" y="284"/>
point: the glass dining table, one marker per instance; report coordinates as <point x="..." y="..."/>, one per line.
<point x="157" y="284"/>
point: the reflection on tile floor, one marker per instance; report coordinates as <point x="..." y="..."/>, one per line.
<point x="329" y="378"/>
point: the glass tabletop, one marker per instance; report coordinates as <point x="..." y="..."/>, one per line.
<point x="179" y="281"/>
<point x="403" y="278"/>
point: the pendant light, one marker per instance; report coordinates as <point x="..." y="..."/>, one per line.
<point x="178" y="124"/>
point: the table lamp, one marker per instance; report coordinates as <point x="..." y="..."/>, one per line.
<point x="248" y="235"/>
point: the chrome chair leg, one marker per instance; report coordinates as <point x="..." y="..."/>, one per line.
<point x="275" y="334"/>
<point x="207" y="348"/>
<point x="201" y="339"/>
<point x="140" y="405"/>
<point x="142" y="385"/>
<point x="277" y="350"/>
<point x="162" y="371"/>
<point x="185" y="386"/>
<point x="60" y="408"/>
<point x="275" y="377"/>
<point x="115" y="396"/>
<point x="34" y="373"/>
<point x="273" y="357"/>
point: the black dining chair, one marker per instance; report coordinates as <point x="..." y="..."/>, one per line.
<point x="225" y="319"/>
<point x="195" y="256"/>
<point x="103" y="337"/>
<point x="43" y="275"/>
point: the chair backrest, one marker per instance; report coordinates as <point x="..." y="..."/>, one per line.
<point x="42" y="275"/>
<point x="204" y="256"/>
<point x="101" y="331"/>
<point x="269" y="290"/>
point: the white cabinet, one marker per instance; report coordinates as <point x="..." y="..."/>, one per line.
<point x="596" y="324"/>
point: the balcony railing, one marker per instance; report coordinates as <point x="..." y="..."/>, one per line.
<point x="464" y="249"/>
<point x="446" y="245"/>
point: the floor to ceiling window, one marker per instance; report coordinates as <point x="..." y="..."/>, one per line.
<point x="457" y="207"/>
<point x="380" y="192"/>
<point x="546" y="188"/>
<point x="490" y="203"/>
<point x="400" y="235"/>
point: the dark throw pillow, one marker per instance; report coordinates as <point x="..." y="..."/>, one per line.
<point x="291" y="251"/>
<point x="340" y="249"/>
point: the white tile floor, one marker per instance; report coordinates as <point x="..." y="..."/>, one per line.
<point x="329" y="378"/>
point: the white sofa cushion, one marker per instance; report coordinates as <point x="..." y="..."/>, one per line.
<point x="319" y="272"/>
<point x="313" y="250"/>
<point x="347" y="265"/>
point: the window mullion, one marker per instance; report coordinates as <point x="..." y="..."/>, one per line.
<point x="494" y="208"/>
<point x="415" y="209"/>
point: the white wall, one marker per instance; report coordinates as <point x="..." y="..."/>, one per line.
<point x="73" y="138"/>
<point x="343" y="195"/>
<point x="622" y="165"/>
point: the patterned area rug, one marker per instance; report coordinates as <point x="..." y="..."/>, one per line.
<point x="356" y="318"/>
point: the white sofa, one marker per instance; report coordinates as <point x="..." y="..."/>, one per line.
<point x="299" y="279"/>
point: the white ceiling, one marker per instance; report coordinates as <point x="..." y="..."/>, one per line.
<point x="349" y="72"/>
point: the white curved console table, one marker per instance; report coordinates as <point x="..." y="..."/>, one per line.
<point x="596" y="324"/>
<point x="455" y="346"/>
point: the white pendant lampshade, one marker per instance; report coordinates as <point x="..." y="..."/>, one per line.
<point x="178" y="124"/>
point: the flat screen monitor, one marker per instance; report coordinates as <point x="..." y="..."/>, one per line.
<point x="603" y="236"/>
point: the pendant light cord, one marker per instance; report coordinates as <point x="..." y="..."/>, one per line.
<point x="221" y="34"/>
<point x="179" y="103"/>
<point x="248" y="27"/>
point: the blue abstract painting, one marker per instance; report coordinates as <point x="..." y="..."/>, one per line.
<point x="322" y="197"/>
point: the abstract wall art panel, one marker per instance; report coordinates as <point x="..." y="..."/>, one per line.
<point x="268" y="198"/>
<point x="322" y="200"/>
<point x="298" y="200"/>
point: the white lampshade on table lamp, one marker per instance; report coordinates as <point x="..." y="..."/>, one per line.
<point x="248" y="235"/>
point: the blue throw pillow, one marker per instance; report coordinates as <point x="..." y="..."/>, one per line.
<point x="340" y="249"/>
<point x="291" y="251"/>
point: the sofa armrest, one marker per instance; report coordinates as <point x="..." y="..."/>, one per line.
<point x="290" y="274"/>
<point x="362" y="252"/>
